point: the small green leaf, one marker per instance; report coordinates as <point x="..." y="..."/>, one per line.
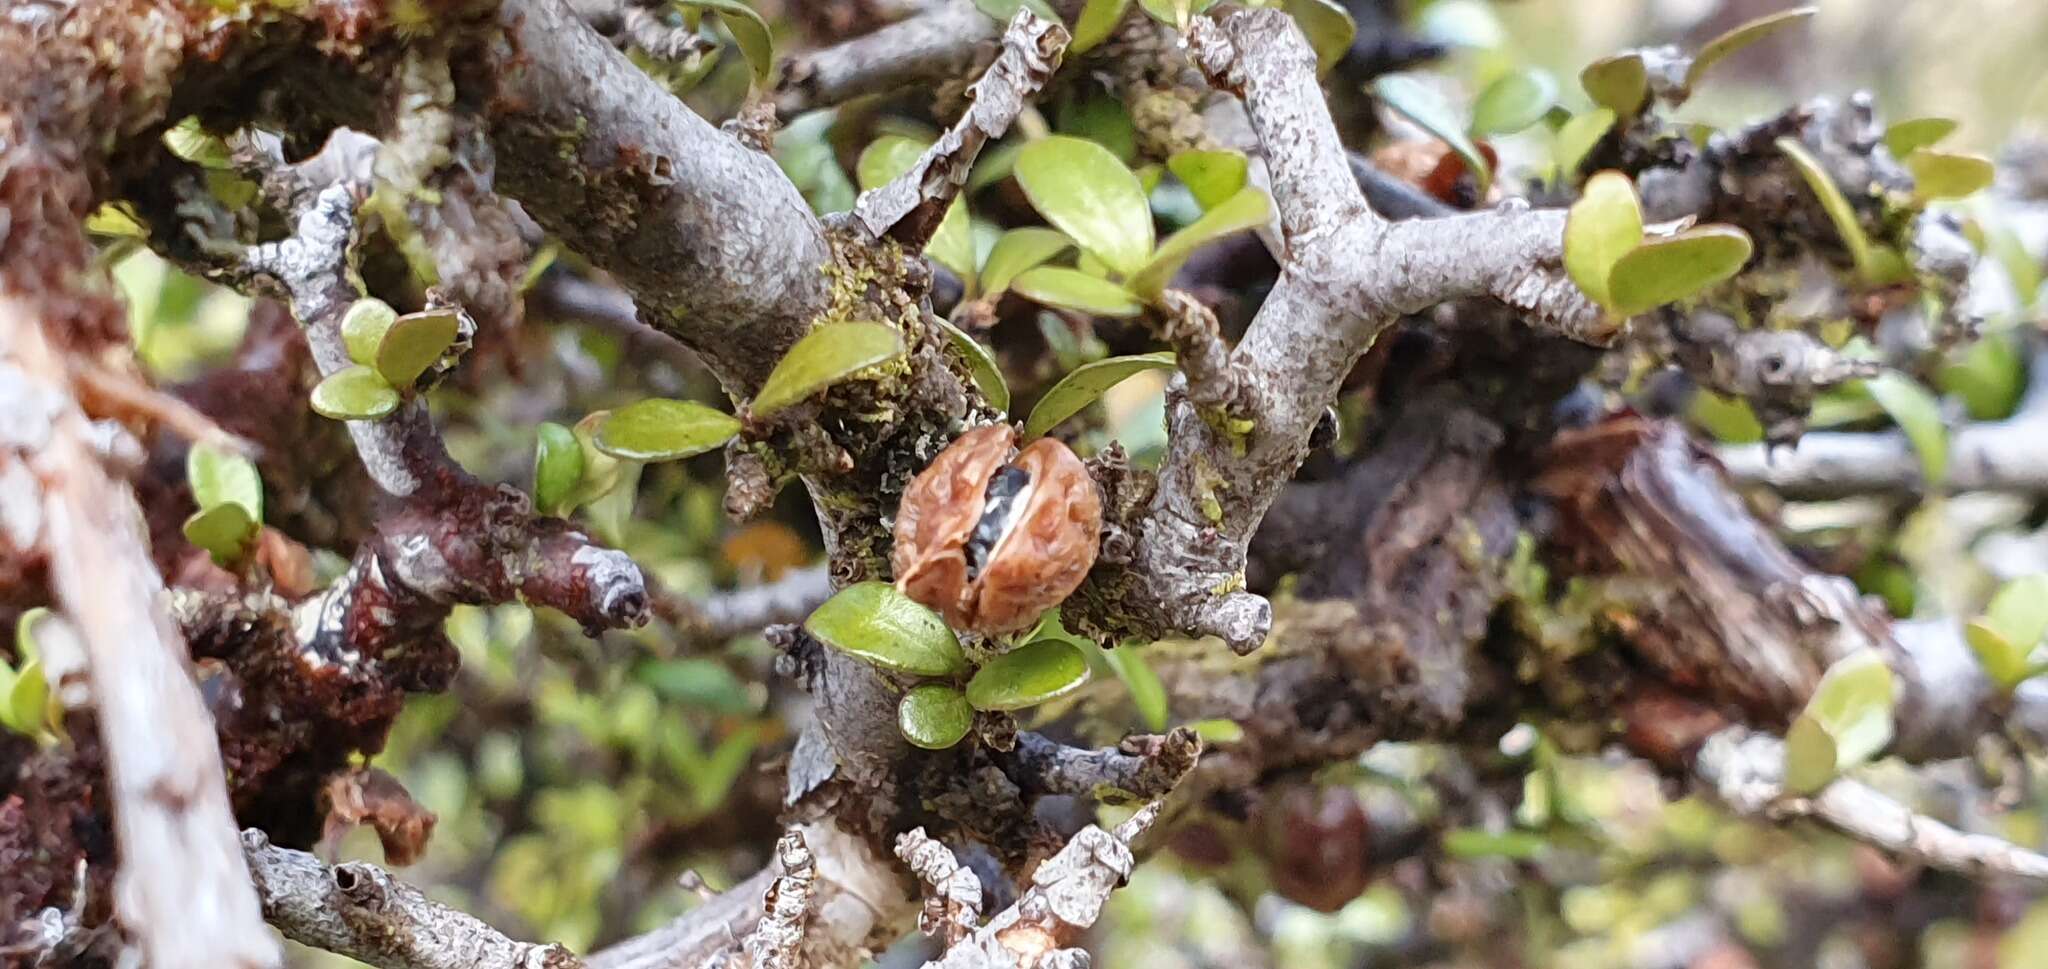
<point x="828" y="354"/>
<point x="1576" y="138"/>
<point x="1087" y="382"/>
<point x="1329" y="28"/>
<point x="1917" y="413"/>
<point x="934" y="716"/>
<point x="1740" y="36"/>
<point x="1472" y="843"/>
<point x="224" y="531"/>
<point x="1098" y="19"/>
<point x="415" y="342"/>
<point x="1248" y="209"/>
<point x="952" y="245"/>
<point x="557" y="469"/>
<point x="2004" y="661"/>
<point x="363" y="327"/>
<point x="1148" y="694"/>
<point x="28" y="702"/>
<point x="1853" y="703"/>
<point x="1422" y="104"/>
<point x="354" y="394"/>
<point x="1620" y="84"/>
<point x="1605" y="224"/>
<point x="748" y="30"/>
<point x="982" y="366"/>
<point x="1677" y="267"/>
<point x="875" y="623"/>
<point x="1217" y="731"/>
<point x="221" y="477"/>
<point x="658" y="429"/>
<point x="195" y="144"/>
<point x="1988" y="375"/>
<point x="1028" y="676"/>
<point x="1947" y="175"/>
<point x="1913" y="134"/>
<point x="1017" y="251"/>
<point x="1811" y="760"/>
<point x="1515" y="101"/>
<point x="1075" y="290"/>
<point x="1211" y="176"/>
<point x="2012" y="627"/>
<point x="26" y="648"/>
<point x="1084" y="191"/>
<point x="1870" y="266"/>
<point x="885" y="158"/>
<point x="1104" y="120"/>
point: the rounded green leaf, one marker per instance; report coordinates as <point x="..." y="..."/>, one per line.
<point x="1605" y="224"/>
<point x="1918" y="414"/>
<point x="875" y="623"/>
<point x="1248" y="209"/>
<point x="1018" y="251"/>
<point x="1666" y="270"/>
<point x="1211" y="176"/>
<point x="2004" y="661"/>
<point x="28" y="703"/>
<point x="557" y="469"/>
<point x="1148" y="694"/>
<point x="885" y="158"/>
<point x="826" y="355"/>
<point x="1087" y="382"/>
<point x="982" y="366"/>
<point x="1028" y="676"/>
<point x="224" y="531"/>
<point x="1098" y="19"/>
<point x="1218" y="731"/>
<point x="415" y="342"/>
<point x="26" y="649"/>
<point x="1913" y="134"/>
<point x="363" y="326"/>
<point x="1576" y="138"/>
<point x="934" y="716"/>
<point x="1515" y="101"/>
<point x="658" y="429"/>
<point x="1948" y="175"/>
<point x="220" y="477"/>
<point x="1854" y="703"/>
<point x="1084" y="191"/>
<point x="1075" y="290"/>
<point x="1742" y="35"/>
<point x="1620" y="83"/>
<point x="354" y="394"/>
<point x="748" y="30"/>
<point x="1329" y="28"/>
<point x="1421" y="104"/>
<point x="2019" y="611"/>
<point x="1810" y="757"/>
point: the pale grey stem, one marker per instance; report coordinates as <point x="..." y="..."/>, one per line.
<point x="1745" y="771"/>
<point x="911" y="205"/>
<point x="936" y="45"/>
<point x="952" y="893"/>
<point x="358" y="910"/>
<point x="777" y="940"/>
<point x="2002" y="455"/>
<point x="182" y="890"/>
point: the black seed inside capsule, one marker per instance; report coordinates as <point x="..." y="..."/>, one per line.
<point x="999" y="509"/>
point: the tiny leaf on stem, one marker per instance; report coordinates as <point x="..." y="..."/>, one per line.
<point x="875" y="623"/>
<point x="658" y="429"/>
<point x="1028" y="676"/>
<point x="354" y="394"/>
<point x="934" y="716"/>
<point x="828" y="354"/>
<point x="1084" y="191"/>
<point x="1087" y="382"/>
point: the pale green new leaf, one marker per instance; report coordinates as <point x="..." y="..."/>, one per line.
<point x="221" y="477"/>
<point x="658" y="429"/>
<point x="982" y="366"/>
<point x="1211" y="176"/>
<point x="1075" y="290"/>
<point x="1605" y="224"/>
<point x="1515" y="101"/>
<point x="1018" y="251"/>
<point x="557" y="469"/>
<point x="1676" y="267"/>
<point x="354" y="394"/>
<point x="1086" y="383"/>
<point x="1917" y="413"/>
<point x="1620" y="83"/>
<point x="1028" y="676"/>
<point x="828" y="354"/>
<point x="1084" y="191"/>
<point x="1740" y="36"/>
<point x="748" y="30"/>
<point x="934" y="716"/>
<point x="875" y="623"/>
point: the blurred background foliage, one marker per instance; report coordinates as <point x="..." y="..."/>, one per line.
<point x="591" y="789"/>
